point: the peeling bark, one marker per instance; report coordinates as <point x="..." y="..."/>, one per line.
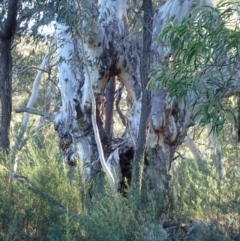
<point x="105" y="57"/>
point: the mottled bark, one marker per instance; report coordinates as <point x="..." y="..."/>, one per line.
<point x="109" y="54"/>
<point x="169" y="119"/>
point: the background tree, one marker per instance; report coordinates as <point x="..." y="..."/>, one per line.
<point x="8" y="27"/>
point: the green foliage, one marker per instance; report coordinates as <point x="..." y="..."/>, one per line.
<point x="129" y="222"/>
<point x="26" y="215"/>
<point x="202" y="53"/>
<point x="198" y="194"/>
<point x="58" y="205"/>
<point x="55" y="204"/>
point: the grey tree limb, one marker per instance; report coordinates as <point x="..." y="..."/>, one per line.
<point x="34" y="112"/>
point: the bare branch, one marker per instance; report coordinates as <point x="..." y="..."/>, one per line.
<point x="143" y="130"/>
<point x="33" y="111"/>
<point x="32" y="67"/>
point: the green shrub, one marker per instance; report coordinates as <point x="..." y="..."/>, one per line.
<point x="200" y="195"/>
<point x="55" y="204"/>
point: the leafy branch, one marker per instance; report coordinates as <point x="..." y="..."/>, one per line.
<point x="202" y="60"/>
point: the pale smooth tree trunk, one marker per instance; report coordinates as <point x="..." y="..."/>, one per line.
<point x="109" y="53"/>
<point x="170" y="119"/>
<point x="26" y="115"/>
<point x="198" y="156"/>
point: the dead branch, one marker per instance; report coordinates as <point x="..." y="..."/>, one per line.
<point x="34" y="112"/>
<point x="32" y="67"/>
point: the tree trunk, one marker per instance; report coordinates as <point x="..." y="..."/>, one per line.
<point x="7" y="31"/>
<point x="109" y="53"/>
<point x="139" y="156"/>
<point x="5" y="91"/>
<point x="109" y="106"/>
<point x="30" y="104"/>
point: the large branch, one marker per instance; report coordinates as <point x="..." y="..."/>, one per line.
<point x="33" y="111"/>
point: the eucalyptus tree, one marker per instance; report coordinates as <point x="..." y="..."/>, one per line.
<point x="95" y="44"/>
